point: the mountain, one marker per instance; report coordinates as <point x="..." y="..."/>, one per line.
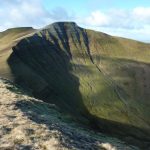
<point x="8" y="39"/>
<point x="101" y="80"/>
<point x="28" y="123"/>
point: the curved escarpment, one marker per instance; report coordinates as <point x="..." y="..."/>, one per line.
<point x="95" y="77"/>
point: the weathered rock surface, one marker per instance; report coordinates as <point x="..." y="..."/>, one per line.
<point x="27" y="123"/>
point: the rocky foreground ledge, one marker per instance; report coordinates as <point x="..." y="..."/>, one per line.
<point x="30" y="124"/>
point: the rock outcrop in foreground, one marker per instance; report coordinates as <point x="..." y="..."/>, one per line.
<point x="27" y="123"/>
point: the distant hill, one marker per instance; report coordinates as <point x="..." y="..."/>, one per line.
<point x="103" y="81"/>
<point x="8" y="39"/>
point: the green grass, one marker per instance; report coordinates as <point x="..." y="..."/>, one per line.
<point x="84" y="71"/>
<point x="8" y="39"/>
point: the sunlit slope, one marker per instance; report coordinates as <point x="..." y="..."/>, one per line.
<point x="87" y="73"/>
<point x="8" y="39"/>
<point x="124" y="64"/>
<point x="103" y="44"/>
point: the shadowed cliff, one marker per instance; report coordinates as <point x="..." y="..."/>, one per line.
<point x="47" y="74"/>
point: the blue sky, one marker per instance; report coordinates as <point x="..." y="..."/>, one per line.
<point x="127" y="18"/>
<point x="87" y="5"/>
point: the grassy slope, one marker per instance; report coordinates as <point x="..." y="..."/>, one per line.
<point x="125" y="64"/>
<point x="119" y="89"/>
<point x="112" y="77"/>
<point x="8" y="39"/>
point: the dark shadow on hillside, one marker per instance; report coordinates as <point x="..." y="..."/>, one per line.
<point x="128" y="133"/>
<point x="54" y="119"/>
<point x="51" y="116"/>
<point x="44" y="69"/>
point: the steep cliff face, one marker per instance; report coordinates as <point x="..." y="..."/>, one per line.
<point x="100" y="79"/>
